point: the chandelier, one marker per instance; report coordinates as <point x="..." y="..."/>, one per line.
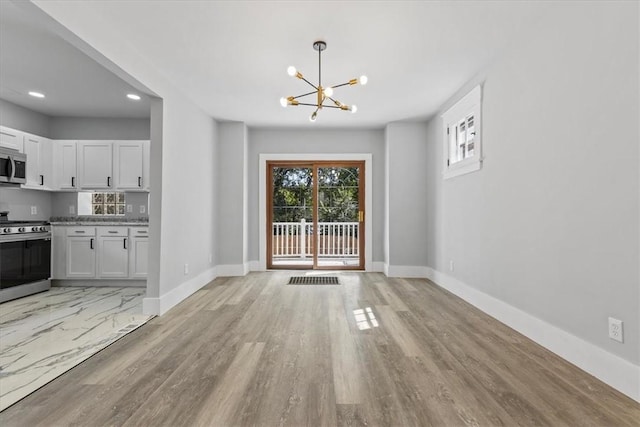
<point x="322" y="93"/>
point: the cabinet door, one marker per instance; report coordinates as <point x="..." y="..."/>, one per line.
<point x="138" y="258"/>
<point x="128" y="165"/>
<point x="95" y="164"/>
<point x="32" y="150"/>
<point x="146" y="164"/>
<point x="11" y="139"/>
<point x="66" y="161"/>
<point x="39" y="162"/>
<point x="46" y="164"/>
<point x="81" y="257"/>
<point x="113" y="255"/>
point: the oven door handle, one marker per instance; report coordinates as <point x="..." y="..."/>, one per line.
<point x="11" y="238"/>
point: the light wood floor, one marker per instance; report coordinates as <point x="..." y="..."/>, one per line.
<point x="372" y="351"/>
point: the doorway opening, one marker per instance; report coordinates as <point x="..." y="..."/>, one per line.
<point x="315" y="215"/>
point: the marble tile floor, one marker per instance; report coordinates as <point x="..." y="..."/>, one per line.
<point x="44" y="335"/>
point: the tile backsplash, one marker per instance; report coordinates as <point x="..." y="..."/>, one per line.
<point x="66" y="205"/>
<point x="33" y="205"/>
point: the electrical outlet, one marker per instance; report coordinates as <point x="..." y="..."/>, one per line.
<point x="72" y="209"/>
<point x="186" y="269"/>
<point x="129" y="208"/>
<point x="143" y="209"/>
<point x="450" y="265"/>
<point x="34" y="210"/>
<point x="615" y="330"/>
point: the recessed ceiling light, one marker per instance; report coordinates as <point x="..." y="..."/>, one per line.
<point x="36" y="94"/>
<point x="133" y="96"/>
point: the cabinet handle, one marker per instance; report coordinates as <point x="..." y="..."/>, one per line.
<point x="73" y="181"/>
<point x="139" y="181"/>
<point x="41" y="179"/>
<point x="78" y="231"/>
<point x="108" y="181"/>
<point x="125" y="242"/>
<point x="91" y="243"/>
<point x="112" y="231"/>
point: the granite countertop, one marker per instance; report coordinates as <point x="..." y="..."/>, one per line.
<point x="110" y="221"/>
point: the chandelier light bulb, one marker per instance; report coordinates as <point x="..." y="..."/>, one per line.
<point x="313" y="117"/>
<point x="363" y="80"/>
<point x="292" y="70"/>
<point x="284" y="102"/>
<point x="328" y="91"/>
<point x="353" y="109"/>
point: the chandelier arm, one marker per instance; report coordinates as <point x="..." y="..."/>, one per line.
<point x="310" y="84"/>
<point x="305" y="94"/>
<point x="316" y="105"/>
<point x="340" y="85"/>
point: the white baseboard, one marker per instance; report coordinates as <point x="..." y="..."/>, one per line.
<point x="405" y="271"/>
<point x="233" y="269"/>
<point x="159" y="306"/>
<point x="255" y="266"/>
<point x="619" y="373"/>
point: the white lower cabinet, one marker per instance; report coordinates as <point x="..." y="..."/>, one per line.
<point x="113" y="253"/>
<point x="138" y="253"/>
<point x="80" y="257"/>
<point x="101" y="252"/>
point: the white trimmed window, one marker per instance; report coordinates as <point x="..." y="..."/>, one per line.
<point x="463" y="153"/>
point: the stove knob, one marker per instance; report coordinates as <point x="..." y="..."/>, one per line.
<point x="43" y="228"/>
<point x="6" y="230"/>
<point x="21" y="230"/>
<point x="34" y="228"/>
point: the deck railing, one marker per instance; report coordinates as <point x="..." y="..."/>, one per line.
<point x="335" y="239"/>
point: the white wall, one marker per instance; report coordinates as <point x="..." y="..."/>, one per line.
<point x="19" y="203"/>
<point x="182" y="213"/>
<point x="231" y="172"/>
<point x="16" y="117"/>
<point x="405" y="189"/>
<point x="550" y="225"/>
<point x="98" y="128"/>
<point x="314" y="141"/>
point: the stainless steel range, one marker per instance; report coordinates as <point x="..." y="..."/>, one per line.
<point x="25" y="258"/>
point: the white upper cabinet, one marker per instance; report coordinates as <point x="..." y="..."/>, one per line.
<point x="70" y="165"/>
<point x="65" y="161"/>
<point x="39" y="166"/>
<point x="95" y="164"/>
<point x="11" y="139"/>
<point x="128" y="165"/>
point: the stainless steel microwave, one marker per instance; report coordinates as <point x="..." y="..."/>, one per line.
<point x="13" y="167"/>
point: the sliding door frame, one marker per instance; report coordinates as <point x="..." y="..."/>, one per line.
<point x="312" y="158"/>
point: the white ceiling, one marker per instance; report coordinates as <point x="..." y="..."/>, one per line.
<point x="33" y="57"/>
<point x="231" y="58"/>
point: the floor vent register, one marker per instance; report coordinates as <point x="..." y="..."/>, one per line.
<point x="314" y="280"/>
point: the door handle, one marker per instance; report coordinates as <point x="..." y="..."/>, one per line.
<point x="108" y="181"/>
<point x="10" y="168"/>
<point x="139" y="181"/>
<point x="360" y="216"/>
<point x="91" y="243"/>
<point x="125" y="242"/>
<point x="73" y="183"/>
<point x="41" y="179"/>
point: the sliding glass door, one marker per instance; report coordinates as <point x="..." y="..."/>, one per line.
<point x="315" y="215"/>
